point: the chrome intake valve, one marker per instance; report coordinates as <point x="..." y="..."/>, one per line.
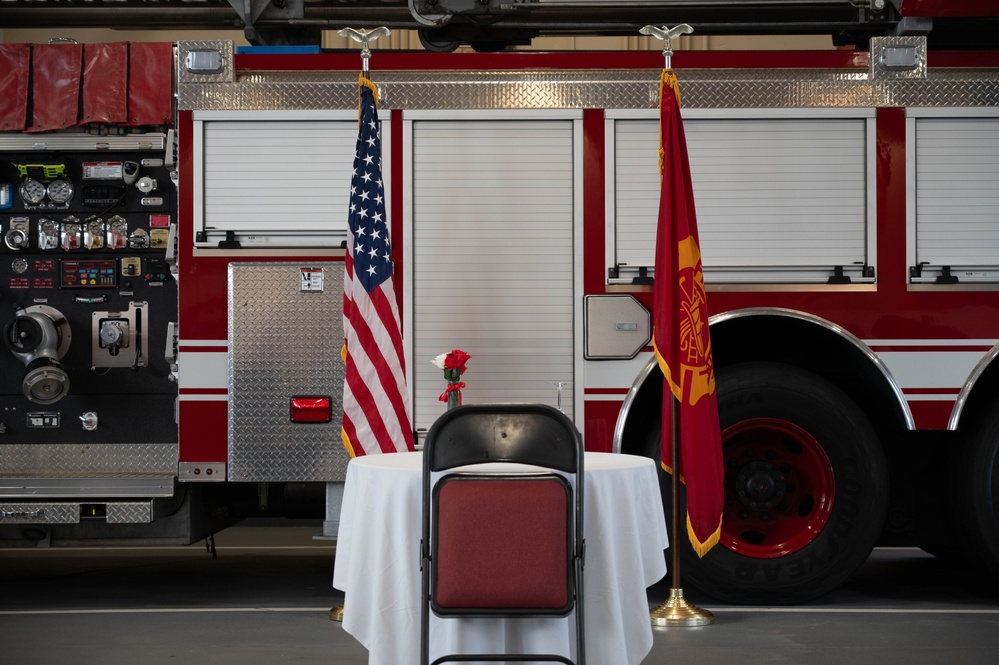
<point x="39" y="337"/>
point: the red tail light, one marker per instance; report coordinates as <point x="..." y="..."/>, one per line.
<point x="311" y="410"/>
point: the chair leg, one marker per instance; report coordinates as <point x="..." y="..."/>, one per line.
<point x="424" y="611"/>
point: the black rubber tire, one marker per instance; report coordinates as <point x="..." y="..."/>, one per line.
<point x="434" y="43"/>
<point x="783" y="393"/>
<point x="978" y="493"/>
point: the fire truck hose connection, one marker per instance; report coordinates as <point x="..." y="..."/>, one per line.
<point x="34" y="339"/>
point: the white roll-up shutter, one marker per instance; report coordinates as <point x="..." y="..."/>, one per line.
<point x="492" y="207"/>
<point x="272" y="180"/>
<point x="777" y="199"/>
<point x="956" y="198"/>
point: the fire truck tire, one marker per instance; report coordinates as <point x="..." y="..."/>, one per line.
<point x="817" y="485"/>
<point x="978" y="492"/>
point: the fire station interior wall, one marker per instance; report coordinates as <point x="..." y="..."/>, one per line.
<point x="273" y="177"/>
<point x="99" y="35"/>
<point x="779" y="195"/>
<point x="409" y="39"/>
<point x="492" y="210"/>
<point x="953" y="193"/>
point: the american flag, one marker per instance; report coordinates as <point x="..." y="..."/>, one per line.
<point x="375" y="397"/>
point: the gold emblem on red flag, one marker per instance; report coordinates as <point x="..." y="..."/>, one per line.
<point x="697" y="372"/>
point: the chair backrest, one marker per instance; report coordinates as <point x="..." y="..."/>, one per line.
<point x="503" y="544"/>
<point x="525" y="433"/>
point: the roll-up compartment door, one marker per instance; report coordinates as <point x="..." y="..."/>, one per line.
<point x="778" y="199"/>
<point x="492" y="208"/>
<point x="954" y="197"/>
<point x="273" y="179"/>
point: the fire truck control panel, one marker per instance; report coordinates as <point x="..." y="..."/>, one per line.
<point x="89" y="299"/>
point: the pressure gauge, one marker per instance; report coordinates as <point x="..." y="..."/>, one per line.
<point x="93" y="237"/>
<point x="70" y="235"/>
<point x="60" y="191"/>
<point x="117" y="232"/>
<point x="48" y="234"/>
<point x="19" y="266"/>
<point x="32" y="191"/>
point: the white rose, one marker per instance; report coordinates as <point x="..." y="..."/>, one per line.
<point x="439" y="361"/>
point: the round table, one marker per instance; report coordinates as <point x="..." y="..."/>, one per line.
<point x="377" y="564"/>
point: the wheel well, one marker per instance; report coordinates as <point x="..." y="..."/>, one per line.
<point x="982" y="397"/>
<point x="790" y="339"/>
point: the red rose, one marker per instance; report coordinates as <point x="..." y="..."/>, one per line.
<point x="456" y="360"/>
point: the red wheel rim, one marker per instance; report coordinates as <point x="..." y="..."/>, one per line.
<point x="779" y="488"/>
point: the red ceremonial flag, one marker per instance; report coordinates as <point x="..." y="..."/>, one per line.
<point x="375" y="397"/>
<point x="680" y="332"/>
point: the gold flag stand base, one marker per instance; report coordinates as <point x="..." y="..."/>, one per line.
<point x="336" y="614"/>
<point x="678" y="612"/>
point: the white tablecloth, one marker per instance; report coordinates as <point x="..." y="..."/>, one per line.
<point x="377" y="566"/>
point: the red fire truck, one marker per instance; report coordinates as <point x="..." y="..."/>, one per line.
<point x="172" y="289"/>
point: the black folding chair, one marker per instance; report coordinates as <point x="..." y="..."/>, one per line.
<point x="503" y="545"/>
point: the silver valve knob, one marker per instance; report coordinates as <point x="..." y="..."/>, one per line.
<point x="89" y="420"/>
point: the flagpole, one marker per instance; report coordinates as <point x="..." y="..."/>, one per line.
<point x="365" y="37"/>
<point x="676" y="611"/>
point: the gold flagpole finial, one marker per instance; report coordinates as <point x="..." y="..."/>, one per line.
<point x="667" y="35"/>
<point x="365" y="37"/>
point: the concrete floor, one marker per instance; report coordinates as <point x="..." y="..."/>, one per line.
<point x="266" y="600"/>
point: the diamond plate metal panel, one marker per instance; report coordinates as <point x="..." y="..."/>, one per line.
<point x="223" y="46"/>
<point x="630" y="89"/>
<point x="284" y="343"/>
<point x="39" y="513"/>
<point x="131" y="512"/>
<point x="602" y="89"/>
<point x="881" y="45"/>
<point x="270" y="96"/>
<point x="89" y="460"/>
<point x="816" y="89"/>
<point x="955" y="88"/>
